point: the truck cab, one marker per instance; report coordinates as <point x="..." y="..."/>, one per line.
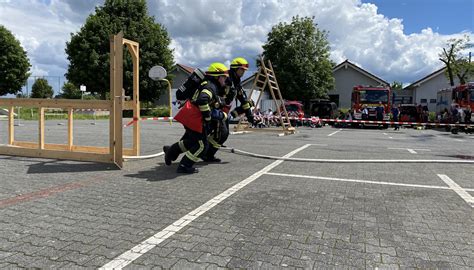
<point x="370" y="97"/>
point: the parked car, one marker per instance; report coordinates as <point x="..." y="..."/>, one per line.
<point x="294" y="109"/>
<point x="322" y="108"/>
<point x="408" y="113"/>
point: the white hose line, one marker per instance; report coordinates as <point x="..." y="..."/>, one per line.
<point x="240" y="152"/>
<point x="144" y="157"/>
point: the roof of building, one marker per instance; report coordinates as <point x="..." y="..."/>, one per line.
<point x="344" y="64"/>
<point x="425" y="79"/>
<point x="347" y="63"/>
<point x="250" y="78"/>
<point x="185" y="68"/>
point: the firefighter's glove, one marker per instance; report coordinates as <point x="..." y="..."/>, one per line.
<point x="217" y="115"/>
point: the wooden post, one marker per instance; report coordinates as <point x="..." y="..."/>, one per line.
<point x="111" y="94"/>
<point x="117" y="95"/>
<point x="136" y="103"/>
<point x="70" y="128"/>
<point x="133" y="49"/>
<point x="11" y="129"/>
<point x="41" y="127"/>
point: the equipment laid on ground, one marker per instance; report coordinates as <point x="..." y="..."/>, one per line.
<point x="338" y="161"/>
<point x="266" y="77"/>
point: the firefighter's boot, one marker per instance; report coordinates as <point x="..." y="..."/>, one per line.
<point x="166" y="149"/>
<point x="185" y="169"/>
<point x="171" y="153"/>
<point x="210" y="155"/>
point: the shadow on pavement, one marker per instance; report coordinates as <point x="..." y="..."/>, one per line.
<point x="465" y="157"/>
<point x="57" y="166"/>
<point x="163" y="172"/>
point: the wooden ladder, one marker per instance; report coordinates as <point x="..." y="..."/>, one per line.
<point x="266" y="77"/>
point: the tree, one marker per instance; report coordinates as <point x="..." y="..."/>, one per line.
<point x="14" y="64"/>
<point x="88" y="49"/>
<point x="41" y="89"/>
<point x="70" y="91"/>
<point x="299" y="53"/>
<point x="457" y="63"/>
<point x="396" y="85"/>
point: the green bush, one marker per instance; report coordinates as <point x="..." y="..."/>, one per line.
<point x="53" y="114"/>
<point x="432" y="117"/>
<point x="160" y="111"/>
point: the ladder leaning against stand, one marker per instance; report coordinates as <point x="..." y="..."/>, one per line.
<point x="266" y="77"/>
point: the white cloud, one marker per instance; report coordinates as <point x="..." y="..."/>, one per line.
<point x="218" y="30"/>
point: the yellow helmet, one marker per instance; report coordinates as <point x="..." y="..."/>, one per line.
<point x="217" y="69"/>
<point x="239" y="62"/>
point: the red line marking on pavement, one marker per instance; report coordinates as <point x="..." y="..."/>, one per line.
<point x="45" y="192"/>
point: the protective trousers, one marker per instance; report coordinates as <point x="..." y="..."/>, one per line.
<point x="192" y="144"/>
<point x="217" y="137"/>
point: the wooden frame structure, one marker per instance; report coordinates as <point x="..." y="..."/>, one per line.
<point x="111" y="154"/>
<point x="266" y="77"/>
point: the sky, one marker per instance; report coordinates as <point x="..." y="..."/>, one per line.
<point x="396" y="40"/>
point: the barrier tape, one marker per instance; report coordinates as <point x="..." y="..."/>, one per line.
<point x="135" y="119"/>
<point x="316" y="119"/>
<point x="394" y="123"/>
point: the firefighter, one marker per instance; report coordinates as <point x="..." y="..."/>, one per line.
<point x="220" y="131"/>
<point x="194" y="141"/>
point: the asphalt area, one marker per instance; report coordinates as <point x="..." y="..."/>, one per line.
<point x="244" y="212"/>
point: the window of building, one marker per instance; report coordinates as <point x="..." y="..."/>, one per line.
<point x="423" y="100"/>
<point x="433" y="100"/>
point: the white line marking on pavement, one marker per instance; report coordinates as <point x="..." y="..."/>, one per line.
<point x="390" y="137"/>
<point x="334" y="132"/>
<point x="459" y="190"/>
<point x="356" y="181"/>
<point x="129" y="256"/>
<point x="410" y="150"/>
<point x="385" y="133"/>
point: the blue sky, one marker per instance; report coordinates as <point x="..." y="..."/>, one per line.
<point x="396" y="40"/>
<point x="443" y="16"/>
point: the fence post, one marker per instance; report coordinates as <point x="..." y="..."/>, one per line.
<point x="41" y="128"/>
<point x="70" y="128"/>
<point x="117" y="98"/>
<point x="11" y="130"/>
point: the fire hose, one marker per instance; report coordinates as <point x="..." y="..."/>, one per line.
<point x="249" y="154"/>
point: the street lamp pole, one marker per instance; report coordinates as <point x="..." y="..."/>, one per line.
<point x="169" y="96"/>
<point x="158" y="73"/>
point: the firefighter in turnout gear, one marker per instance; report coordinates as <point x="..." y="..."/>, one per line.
<point x="206" y="101"/>
<point x="220" y="131"/>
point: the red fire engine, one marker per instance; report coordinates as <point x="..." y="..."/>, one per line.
<point x="463" y="95"/>
<point x="369" y="97"/>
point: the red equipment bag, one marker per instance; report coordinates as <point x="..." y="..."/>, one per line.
<point x="190" y="116"/>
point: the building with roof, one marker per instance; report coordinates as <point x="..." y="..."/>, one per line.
<point x="424" y="91"/>
<point x="346" y="76"/>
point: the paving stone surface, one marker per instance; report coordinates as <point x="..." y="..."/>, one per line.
<point x="68" y="214"/>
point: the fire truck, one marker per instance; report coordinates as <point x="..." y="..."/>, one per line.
<point x="463" y="95"/>
<point x="370" y="96"/>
